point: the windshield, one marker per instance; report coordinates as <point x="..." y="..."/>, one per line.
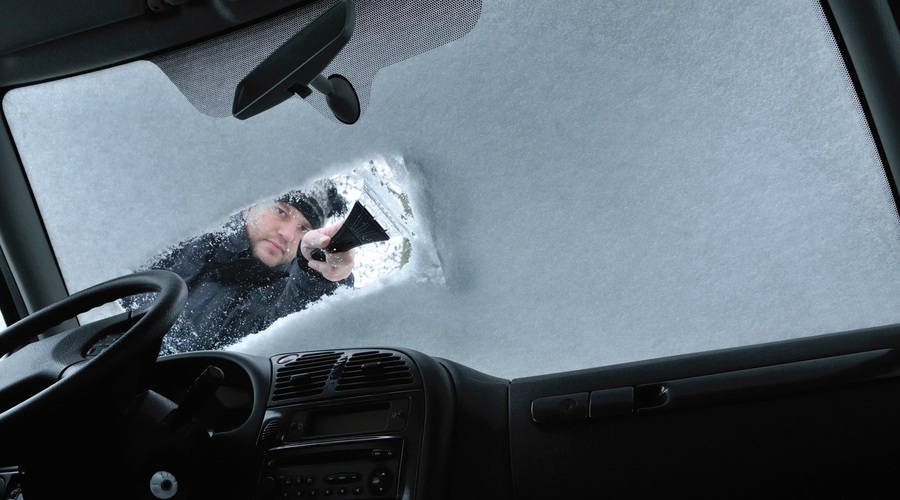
<point x="587" y="184"/>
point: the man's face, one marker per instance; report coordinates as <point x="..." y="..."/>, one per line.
<point x="275" y="231"/>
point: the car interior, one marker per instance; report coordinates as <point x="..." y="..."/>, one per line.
<point x="550" y="325"/>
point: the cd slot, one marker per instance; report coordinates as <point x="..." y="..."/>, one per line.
<point x="307" y="457"/>
<point x="353" y="419"/>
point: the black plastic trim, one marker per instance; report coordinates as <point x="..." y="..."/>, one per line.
<point x="745" y="385"/>
<point x="33" y="269"/>
<point x="134" y="38"/>
<point x="12" y="307"/>
<point x="481" y="455"/>
<point x="867" y="36"/>
<point x="745" y="416"/>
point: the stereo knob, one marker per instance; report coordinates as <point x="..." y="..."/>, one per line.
<point x="268" y="487"/>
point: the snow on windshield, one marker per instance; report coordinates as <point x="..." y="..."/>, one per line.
<point x="595" y="183"/>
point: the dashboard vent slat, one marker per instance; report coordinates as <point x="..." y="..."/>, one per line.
<point x="269" y="433"/>
<point x="374" y="369"/>
<point x="304" y="376"/>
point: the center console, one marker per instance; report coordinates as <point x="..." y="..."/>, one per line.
<point x="349" y="424"/>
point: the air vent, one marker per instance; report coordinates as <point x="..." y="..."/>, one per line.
<point x="269" y="433"/>
<point x="373" y="369"/>
<point x="305" y="376"/>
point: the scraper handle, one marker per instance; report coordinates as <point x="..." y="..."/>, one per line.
<point x="340" y="242"/>
<point x="358" y="229"/>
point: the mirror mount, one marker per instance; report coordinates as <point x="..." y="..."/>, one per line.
<point x="296" y="68"/>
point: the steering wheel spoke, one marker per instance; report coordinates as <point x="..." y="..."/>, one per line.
<point x="30" y="370"/>
<point x="36" y="375"/>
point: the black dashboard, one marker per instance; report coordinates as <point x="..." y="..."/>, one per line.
<point x="394" y="423"/>
<point x="351" y="423"/>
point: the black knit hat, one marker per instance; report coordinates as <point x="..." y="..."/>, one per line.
<point x="317" y="204"/>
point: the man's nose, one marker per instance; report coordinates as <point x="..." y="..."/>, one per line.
<point x="288" y="231"/>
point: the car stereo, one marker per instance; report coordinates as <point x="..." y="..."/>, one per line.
<point x="365" y="469"/>
<point x="342" y="424"/>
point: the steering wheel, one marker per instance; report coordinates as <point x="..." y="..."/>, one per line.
<point x="45" y="376"/>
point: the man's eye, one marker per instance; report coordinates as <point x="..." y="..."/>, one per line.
<point x="304" y="229"/>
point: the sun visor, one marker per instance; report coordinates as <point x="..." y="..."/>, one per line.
<point x="386" y="32"/>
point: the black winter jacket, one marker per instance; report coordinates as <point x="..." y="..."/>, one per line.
<point x="231" y="293"/>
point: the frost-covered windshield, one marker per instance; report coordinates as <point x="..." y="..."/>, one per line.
<point x="592" y="183"/>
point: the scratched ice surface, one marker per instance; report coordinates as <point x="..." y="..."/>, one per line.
<point x="594" y="184"/>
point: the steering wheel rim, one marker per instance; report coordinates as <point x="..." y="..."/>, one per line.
<point x="64" y="356"/>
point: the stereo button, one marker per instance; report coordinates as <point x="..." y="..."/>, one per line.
<point x="380" y="481"/>
<point x="342" y="478"/>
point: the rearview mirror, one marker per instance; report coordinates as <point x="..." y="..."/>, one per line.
<point x="297" y="65"/>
